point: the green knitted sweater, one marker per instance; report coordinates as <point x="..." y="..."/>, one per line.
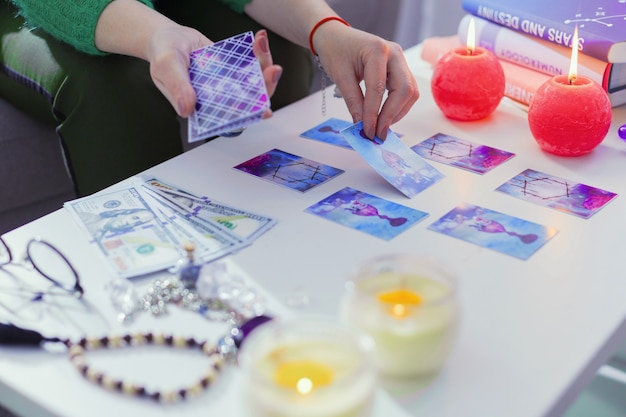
<point x="74" y="21"/>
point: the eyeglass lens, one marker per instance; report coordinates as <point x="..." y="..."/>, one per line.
<point x="52" y="264"/>
<point x="5" y="253"/>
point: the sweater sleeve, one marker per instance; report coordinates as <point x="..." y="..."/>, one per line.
<point x="71" y="21"/>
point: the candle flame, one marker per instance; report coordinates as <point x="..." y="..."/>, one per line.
<point x="304" y="386"/>
<point x="573" y="67"/>
<point x="400" y="302"/>
<point x="399" y="311"/>
<point x="471" y="37"/>
<point x="303" y="376"/>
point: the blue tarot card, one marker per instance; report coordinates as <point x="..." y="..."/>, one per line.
<point x="329" y="132"/>
<point x="557" y="193"/>
<point x="289" y="170"/>
<point x="393" y="160"/>
<point x="461" y="153"/>
<point x="367" y="213"/>
<point x="497" y="231"/>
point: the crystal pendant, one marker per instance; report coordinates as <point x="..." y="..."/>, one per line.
<point x="215" y="282"/>
<point x="124" y="298"/>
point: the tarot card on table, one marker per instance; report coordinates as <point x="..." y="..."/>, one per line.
<point x="461" y="153"/>
<point x="367" y="213"/>
<point x="393" y="160"/>
<point x="557" y="193"/>
<point x="497" y="231"/>
<point x="329" y="132"/>
<point x="289" y="170"/>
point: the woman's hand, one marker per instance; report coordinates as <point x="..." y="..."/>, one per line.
<point x="169" y="51"/>
<point x="271" y="72"/>
<point x="169" y="65"/>
<point x="350" y="56"/>
<point x="129" y="27"/>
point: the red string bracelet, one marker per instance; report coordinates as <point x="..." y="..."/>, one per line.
<point x="320" y="23"/>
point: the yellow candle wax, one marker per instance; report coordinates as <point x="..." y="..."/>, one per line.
<point x="400" y="302"/>
<point x="303" y="376"/>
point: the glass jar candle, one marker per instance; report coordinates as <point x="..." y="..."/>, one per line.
<point x="408" y="305"/>
<point x="307" y="367"/>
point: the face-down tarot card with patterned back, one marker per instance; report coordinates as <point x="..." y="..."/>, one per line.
<point x="229" y="85"/>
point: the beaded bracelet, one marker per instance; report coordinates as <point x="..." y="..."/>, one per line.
<point x="77" y="351"/>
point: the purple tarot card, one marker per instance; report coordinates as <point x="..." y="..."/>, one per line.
<point x="461" y="153"/>
<point x="290" y="170"/>
<point x="497" y="231"/>
<point x="229" y="85"/>
<point x="557" y="193"/>
<point x="393" y="160"/>
<point x="367" y="213"/>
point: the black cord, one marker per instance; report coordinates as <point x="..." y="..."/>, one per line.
<point x="12" y="335"/>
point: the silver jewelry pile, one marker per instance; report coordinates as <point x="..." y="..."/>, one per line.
<point x="209" y="290"/>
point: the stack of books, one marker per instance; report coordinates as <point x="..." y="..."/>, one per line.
<point x="533" y="41"/>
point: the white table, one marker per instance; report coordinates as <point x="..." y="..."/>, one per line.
<point x="533" y="332"/>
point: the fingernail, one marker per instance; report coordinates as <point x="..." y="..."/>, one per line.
<point x="265" y="46"/>
<point x="371" y="132"/>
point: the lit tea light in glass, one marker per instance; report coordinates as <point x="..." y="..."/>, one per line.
<point x="303" y="376"/>
<point x="468" y="82"/>
<point x="308" y="367"/>
<point x="401" y="302"/>
<point x="570" y="115"/>
<point x="408" y="305"/>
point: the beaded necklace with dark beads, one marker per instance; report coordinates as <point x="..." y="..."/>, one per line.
<point x="219" y="354"/>
<point x="182" y="292"/>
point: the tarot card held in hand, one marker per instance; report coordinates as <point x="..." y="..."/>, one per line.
<point x="393" y="160"/>
<point x="290" y="170"/>
<point x="497" y="231"/>
<point x="367" y="213"/>
<point x="461" y="153"/>
<point x="330" y="132"/>
<point x="557" y="193"/>
<point x="229" y="85"/>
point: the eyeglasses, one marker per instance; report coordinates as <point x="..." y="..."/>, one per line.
<point x="49" y="262"/>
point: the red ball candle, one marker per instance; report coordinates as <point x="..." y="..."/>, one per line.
<point x="569" y="119"/>
<point x="570" y="115"/>
<point x="468" y="83"/>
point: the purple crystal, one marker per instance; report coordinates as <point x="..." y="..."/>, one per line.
<point x="622" y="132"/>
<point x="248" y="327"/>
